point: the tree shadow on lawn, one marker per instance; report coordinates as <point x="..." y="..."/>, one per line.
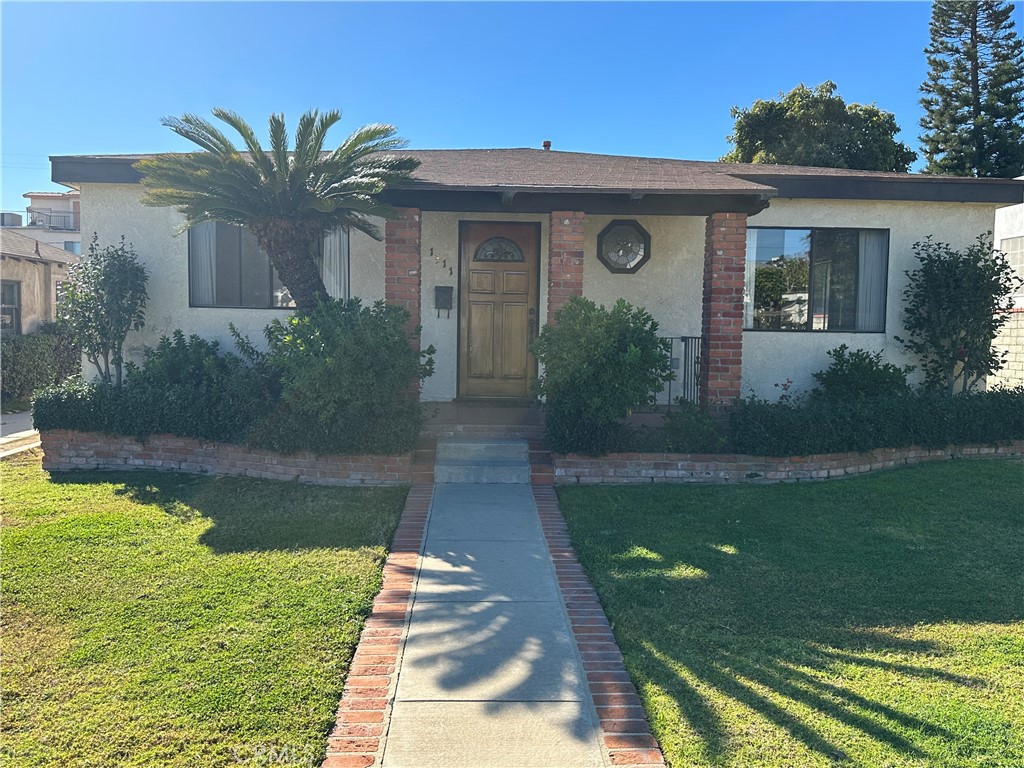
<point x="803" y="612"/>
<point x="259" y="515"/>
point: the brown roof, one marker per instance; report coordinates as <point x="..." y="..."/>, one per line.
<point x="17" y="245"/>
<point x="543" y="171"/>
<point x="552" y="171"/>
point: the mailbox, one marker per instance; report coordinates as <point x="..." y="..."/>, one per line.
<point x="443" y="298"/>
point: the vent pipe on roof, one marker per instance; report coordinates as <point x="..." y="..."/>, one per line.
<point x="547" y="145"/>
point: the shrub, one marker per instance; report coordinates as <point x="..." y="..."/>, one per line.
<point x="27" y="363"/>
<point x="103" y="299"/>
<point x="860" y="374"/>
<point x="928" y="418"/>
<point x="67" y="354"/>
<point x="955" y="304"/>
<point x="598" y="365"/>
<point x="346" y="374"/>
<point x="690" y="429"/>
<point x="686" y="429"/>
<point x="183" y="387"/>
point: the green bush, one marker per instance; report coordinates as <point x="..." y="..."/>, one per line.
<point x="928" y="418"/>
<point x="27" y="363"/>
<point x="859" y="374"/>
<point x="67" y="354"/>
<point x="599" y="364"/>
<point x="184" y="387"/>
<point x="346" y="373"/>
<point x="690" y="429"/>
<point x="337" y="381"/>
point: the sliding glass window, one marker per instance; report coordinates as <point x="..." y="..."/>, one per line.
<point x="226" y="268"/>
<point x="816" y="279"/>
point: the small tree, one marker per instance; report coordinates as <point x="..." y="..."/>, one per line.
<point x="103" y="299"/>
<point x="814" y="126"/>
<point x="956" y="303"/>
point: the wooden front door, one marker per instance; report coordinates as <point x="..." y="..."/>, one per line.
<point x="497" y="307"/>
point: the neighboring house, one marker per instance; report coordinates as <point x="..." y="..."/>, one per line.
<point x="30" y="273"/>
<point x="764" y="267"/>
<point x="1008" y="236"/>
<point x="53" y="218"/>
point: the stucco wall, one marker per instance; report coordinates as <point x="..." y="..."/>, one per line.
<point x="1010" y="223"/>
<point x="38" y="289"/>
<point x="440" y="232"/>
<point x="773" y="357"/>
<point x="114" y="209"/>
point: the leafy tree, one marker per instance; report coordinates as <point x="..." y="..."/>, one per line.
<point x="288" y="199"/>
<point x="974" y="93"/>
<point x="816" y="127"/>
<point x="955" y="304"/>
<point x="104" y="298"/>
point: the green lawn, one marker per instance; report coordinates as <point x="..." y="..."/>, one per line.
<point x="176" y="620"/>
<point x="876" y="621"/>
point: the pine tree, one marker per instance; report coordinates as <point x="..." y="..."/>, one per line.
<point x="974" y="94"/>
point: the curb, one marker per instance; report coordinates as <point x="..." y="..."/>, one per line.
<point x="626" y="733"/>
<point x="364" y="712"/>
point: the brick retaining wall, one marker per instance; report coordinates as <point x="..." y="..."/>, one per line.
<point x="725" y="468"/>
<point x="69" y="450"/>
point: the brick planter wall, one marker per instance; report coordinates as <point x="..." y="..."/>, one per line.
<point x="734" y="468"/>
<point x="65" y="450"/>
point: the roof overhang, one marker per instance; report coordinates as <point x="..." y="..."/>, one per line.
<point x="914" y="187"/>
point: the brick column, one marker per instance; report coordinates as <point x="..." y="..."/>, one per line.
<point x="725" y="246"/>
<point x="402" y="273"/>
<point x="565" y="259"/>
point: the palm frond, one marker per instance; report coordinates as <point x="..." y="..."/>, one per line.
<point x="252" y="143"/>
<point x="201" y="132"/>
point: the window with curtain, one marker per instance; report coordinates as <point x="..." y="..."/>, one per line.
<point x="226" y="268"/>
<point x="818" y="279"/>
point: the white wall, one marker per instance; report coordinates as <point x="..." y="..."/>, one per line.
<point x="1010" y="223"/>
<point x="112" y="210"/>
<point x="669" y="285"/>
<point x="440" y="232"/>
<point x="773" y="357"/>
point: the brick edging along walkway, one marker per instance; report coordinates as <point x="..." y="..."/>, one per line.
<point x="364" y="712"/>
<point x="626" y="734"/>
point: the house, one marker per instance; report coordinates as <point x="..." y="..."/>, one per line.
<point x="1008" y="236"/>
<point x="754" y="270"/>
<point x="50" y="217"/>
<point x="31" y="273"/>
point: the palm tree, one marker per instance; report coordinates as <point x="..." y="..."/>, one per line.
<point x="288" y="199"/>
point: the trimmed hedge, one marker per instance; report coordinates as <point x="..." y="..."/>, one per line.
<point x="924" y="417"/>
<point x="27" y="363"/>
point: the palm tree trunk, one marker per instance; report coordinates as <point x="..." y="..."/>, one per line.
<point x="287" y="244"/>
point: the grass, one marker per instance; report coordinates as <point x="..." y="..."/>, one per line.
<point x="179" y="620"/>
<point x="876" y="621"/>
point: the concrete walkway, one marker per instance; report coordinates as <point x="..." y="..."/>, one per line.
<point x="17" y="433"/>
<point x="490" y="675"/>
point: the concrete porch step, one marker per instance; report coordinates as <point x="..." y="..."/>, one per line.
<point x="483" y="448"/>
<point x="482" y="460"/>
<point x="500" y="471"/>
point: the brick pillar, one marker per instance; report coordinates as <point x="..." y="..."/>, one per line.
<point x="565" y="259"/>
<point x="402" y="273"/>
<point x="725" y="246"/>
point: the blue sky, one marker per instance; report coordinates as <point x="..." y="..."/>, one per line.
<point x="649" y="79"/>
